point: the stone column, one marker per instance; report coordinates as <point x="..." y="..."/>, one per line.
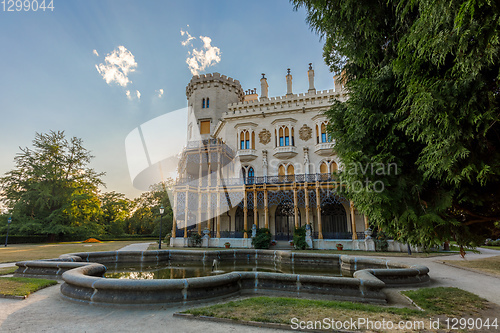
<point x="295" y="206"/>
<point x="353" y="222"/>
<point x="218" y="214"/>
<point x="255" y="212"/>
<point x="199" y="211"/>
<point x="245" y="213"/>
<point x="266" y="210"/>
<point x="186" y="211"/>
<point x="306" y="196"/>
<point x="174" y="219"/>
<point x="209" y="210"/>
<point x="318" y="211"/>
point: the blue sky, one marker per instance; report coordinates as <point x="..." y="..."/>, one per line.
<point x="49" y="80"/>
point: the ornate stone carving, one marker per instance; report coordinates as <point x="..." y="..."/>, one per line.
<point x="305" y="132"/>
<point x="264" y="136"/>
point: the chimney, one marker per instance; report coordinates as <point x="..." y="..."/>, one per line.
<point x="310" y="75"/>
<point x="263" y="87"/>
<point x="288" y="83"/>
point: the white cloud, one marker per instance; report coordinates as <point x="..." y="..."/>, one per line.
<point x="95" y="52"/>
<point x="199" y="60"/>
<point x="118" y="64"/>
<point x="160" y="93"/>
<point x="128" y="94"/>
<point x="189" y="37"/>
<point x="138" y="94"/>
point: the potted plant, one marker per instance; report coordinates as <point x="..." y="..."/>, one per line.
<point x="291" y="242"/>
<point x="227" y="245"/>
<point x="340" y="247"/>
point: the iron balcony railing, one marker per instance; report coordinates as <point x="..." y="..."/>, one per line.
<point x="302" y="178"/>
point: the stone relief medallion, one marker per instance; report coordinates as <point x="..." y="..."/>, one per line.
<point x="305" y="132"/>
<point x="264" y="136"/>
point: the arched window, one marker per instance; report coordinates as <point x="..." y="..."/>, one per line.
<point x="323" y="133"/>
<point x="287" y="136"/>
<point x="317" y="134"/>
<point x="334" y="220"/>
<point x="290" y="170"/>
<point x="285" y="221"/>
<point x="244" y="172"/>
<point x="203" y="104"/>
<point x="323" y="168"/>
<point x="208" y="102"/>
<point x="282" y="138"/>
<point x="251" y="173"/>
<point x="281" y="170"/>
<point x="245" y="140"/>
<point x="333" y="167"/>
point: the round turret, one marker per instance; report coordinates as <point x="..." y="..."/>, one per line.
<point x="208" y="97"/>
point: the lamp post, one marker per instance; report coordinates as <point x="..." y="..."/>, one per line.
<point x="161" y="217"/>
<point x="9" y="221"/>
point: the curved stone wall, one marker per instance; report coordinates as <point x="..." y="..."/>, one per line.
<point x="83" y="277"/>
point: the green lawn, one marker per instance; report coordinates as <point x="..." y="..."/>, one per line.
<point x="489" y="265"/>
<point x="21" y="252"/>
<point x="17" y="286"/>
<point x="434" y="301"/>
<point x="7" y="270"/>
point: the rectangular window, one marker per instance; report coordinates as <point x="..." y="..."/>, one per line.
<point x="247" y="144"/>
<point x="205" y="127"/>
<point x="287" y="141"/>
<point x="242" y="144"/>
<point x="323" y="137"/>
<point x="281" y="142"/>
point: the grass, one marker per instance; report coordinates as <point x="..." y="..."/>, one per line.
<point x="434" y="301"/>
<point x="489" y="265"/>
<point x="7" y="270"/>
<point x="21" y="252"/>
<point x="14" y="286"/>
<point x="491" y="247"/>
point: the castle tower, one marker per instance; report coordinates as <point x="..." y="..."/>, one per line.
<point x="208" y="96"/>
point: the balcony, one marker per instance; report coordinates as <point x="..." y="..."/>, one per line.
<point x="324" y="149"/>
<point x="246" y="155"/>
<point x="285" y="152"/>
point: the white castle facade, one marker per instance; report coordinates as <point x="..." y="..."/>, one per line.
<point x="261" y="162"/>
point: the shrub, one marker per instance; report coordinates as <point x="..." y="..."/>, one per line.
<point x="262" y="239"/>
<point x="299" y="238"/>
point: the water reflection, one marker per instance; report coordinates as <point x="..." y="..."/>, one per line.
<point x="189" y="269"/>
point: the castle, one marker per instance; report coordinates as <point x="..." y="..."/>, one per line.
<point x="261" y="162"/>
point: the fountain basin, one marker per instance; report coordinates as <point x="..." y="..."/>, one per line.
<point x="83" y="277"/>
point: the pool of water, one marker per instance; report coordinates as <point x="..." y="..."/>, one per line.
<point x="189" y="269"/>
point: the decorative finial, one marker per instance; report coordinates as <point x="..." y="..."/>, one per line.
<point x="288" y="71"/>
<point x="263" y="75"/>
<point x="310" y="66"/>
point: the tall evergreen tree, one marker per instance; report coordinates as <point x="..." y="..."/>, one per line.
<point x="52" y="190"/>
<point x="423" y="83"/>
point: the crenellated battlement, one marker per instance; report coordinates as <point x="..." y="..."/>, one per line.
<point x="311" y="99"/>
<point x="217" y="80"/>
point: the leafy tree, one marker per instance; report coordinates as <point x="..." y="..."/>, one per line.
<point x="51" y="190"/>
<point x="145" y="217"/>
<point x="423" y="83"/>
<point x="116" y="210"/>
